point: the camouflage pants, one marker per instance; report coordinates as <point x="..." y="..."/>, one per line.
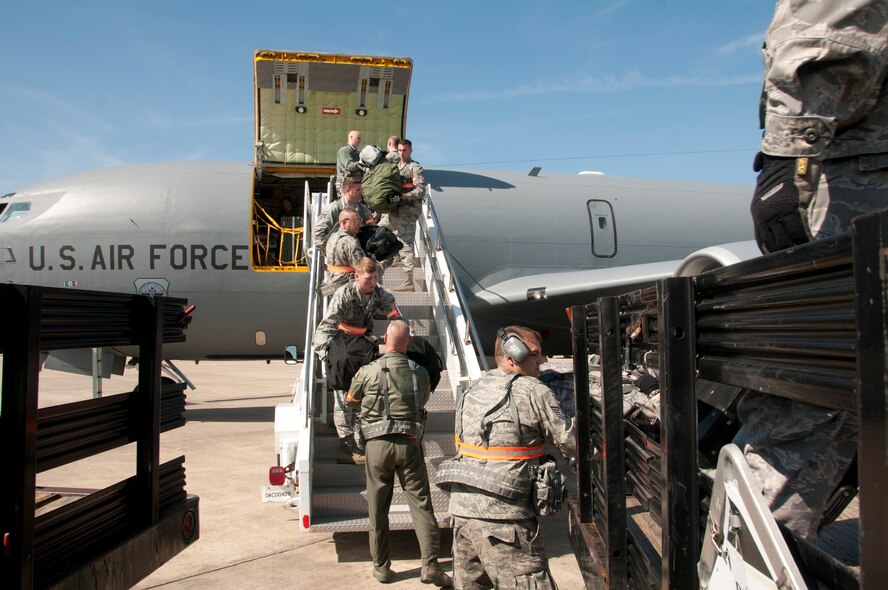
<point x="345" y="418"/>
<point x="796" y="451"/>
<point x="502" y="554"/>
<point x="402" y="221"/>
<point x="387" y="456"/>
<point x="843" y="189"/>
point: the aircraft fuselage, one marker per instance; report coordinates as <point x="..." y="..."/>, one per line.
<point x="183" y="229"/>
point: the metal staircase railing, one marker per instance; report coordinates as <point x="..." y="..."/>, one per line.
<point x="465" y="357"/>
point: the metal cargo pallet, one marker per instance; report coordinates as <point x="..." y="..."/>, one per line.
<point x="108" y="538"/>
<point x="808" y="323"/>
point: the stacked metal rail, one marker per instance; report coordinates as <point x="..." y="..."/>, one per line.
<point x="131" y="527"/>
<point x="807" y="324"/>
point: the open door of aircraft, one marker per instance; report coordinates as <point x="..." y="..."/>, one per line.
<point x="304" y="106"/>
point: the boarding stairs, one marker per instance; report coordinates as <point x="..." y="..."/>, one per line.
<point x="330" y="496"/>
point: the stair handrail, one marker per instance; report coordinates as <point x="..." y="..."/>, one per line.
<point x="471" y="339"/>
<point x="309" y="365"/>
<point x="303" y="390"/>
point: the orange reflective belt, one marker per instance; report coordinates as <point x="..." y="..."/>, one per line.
<point x="336" y="268"/>
<point x="351" y="329"/>
<point x="393" y="313"/>
<point x="499" y="453"/>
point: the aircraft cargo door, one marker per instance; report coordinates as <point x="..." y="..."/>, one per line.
<point x="604" y="232"/>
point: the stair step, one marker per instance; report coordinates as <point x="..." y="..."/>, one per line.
<point x="414" y="304"/>
<point x="351" y="501"/>
<point x="434" y="444"/>
<point x="398" y="276"/>
<point x="397" y="522"/>
<point x="327" y="473"/>
<point x="418" y="327"/>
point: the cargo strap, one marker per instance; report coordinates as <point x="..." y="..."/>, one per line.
<point x="340" y="268"/>
<point x="351" y="329"/>
<point x="499" y="453"/>
<point x="394" y="313"/>
<point x="389" y="425"/>
<point x="488" y="453"/>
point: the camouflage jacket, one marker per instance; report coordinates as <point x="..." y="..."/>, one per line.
<point x="342" y="250"/>
<point x="349" y="307"/>
<point x="825" y="93"/>
<point x="542" y="420"/>
<point x="412" y="172"/>
<point x="393" y="157"/>
<point x="328" y="222"/>
<point x="347" y="159"/>
<point x="365" y="387"/>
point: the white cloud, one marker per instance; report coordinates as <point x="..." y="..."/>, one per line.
<point x="60" y="106"/>
<point x="609" y="10"/>
<point x="754" y="40"/>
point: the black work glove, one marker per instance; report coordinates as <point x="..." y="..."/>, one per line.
<point x="393" y="198"/>
<point x="775" y="204"/>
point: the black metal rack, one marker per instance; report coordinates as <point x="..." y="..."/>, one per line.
<point x="807" y="323"/>
<point x="131" y="527"/>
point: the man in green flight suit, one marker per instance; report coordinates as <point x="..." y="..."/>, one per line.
<point x="392" y="392"/>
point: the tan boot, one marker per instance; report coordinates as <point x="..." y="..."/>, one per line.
<point x="349" y="454"/>
<point x="408" y="283"/>
<point x="383" y="573"/>
<point x="435" y="575"/>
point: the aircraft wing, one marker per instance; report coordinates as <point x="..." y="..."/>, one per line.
<point x="592" y="282"/>
<point x="617" y="279"/>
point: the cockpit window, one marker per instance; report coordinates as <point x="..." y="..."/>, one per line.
<point x="15" y="211"/>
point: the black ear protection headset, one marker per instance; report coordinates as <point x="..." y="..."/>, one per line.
<point x="513" y="346"/>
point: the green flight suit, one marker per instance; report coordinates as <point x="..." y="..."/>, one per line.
<point x="391" y="454"/>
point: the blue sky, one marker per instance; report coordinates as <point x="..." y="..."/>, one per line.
<point x="627" y="87"/>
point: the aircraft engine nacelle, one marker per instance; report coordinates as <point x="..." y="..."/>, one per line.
<point x="716" y="257"/>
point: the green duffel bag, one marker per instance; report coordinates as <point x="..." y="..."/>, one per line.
<point x="379" y="184"/>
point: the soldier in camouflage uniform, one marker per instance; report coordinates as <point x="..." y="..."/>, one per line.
<point x="496" y="541"/>
<point x="343" y="250"/>
<point x="352" y="309"/>
<point x="392" y="392"/>
<point x="402" y="220"/>
<point x="824" y="160"/>
<point x="329" y="220"/>
<point x="347" y="160"/>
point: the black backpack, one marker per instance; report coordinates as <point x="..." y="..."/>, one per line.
<point x="424" y="354"/>
<point x="348" y="353"/>
<point x="379" y="242"/>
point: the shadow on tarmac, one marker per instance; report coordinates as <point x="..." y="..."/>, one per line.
<point x="355" y="547"/>
<point x="245" y="414"/>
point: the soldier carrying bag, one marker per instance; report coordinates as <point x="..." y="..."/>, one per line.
<point x="389" y="425"/>
<point x="379" y="241"/>
<point x="348" y="353"/>
<point x="379" y="183"/>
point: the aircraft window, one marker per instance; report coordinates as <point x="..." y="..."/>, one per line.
<point x="15" y="211"/>
<point x="604" y="232"/>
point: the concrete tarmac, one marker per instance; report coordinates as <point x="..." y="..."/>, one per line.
<point x="228" y="443"/>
